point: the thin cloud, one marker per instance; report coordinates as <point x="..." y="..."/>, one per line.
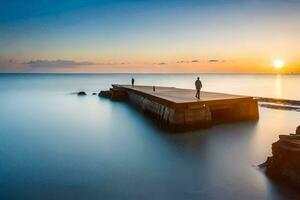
<point x="197" y="61"/>
<point x="188" y="61"/>
<point x="113" y="63"/>
<point x="56" y="63"/>
<point x="213" y="60"/>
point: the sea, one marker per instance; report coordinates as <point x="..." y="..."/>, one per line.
<point x="57" y="145"/>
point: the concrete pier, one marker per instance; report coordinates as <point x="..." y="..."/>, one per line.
<point x="179" y="110"/>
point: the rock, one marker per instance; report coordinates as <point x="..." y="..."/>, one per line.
<point x="114" y="94"/>
<point x="104" y="93"/>
<point x="117" y="94"/>
<point x="298" y="130"/>
<point x="81" y="93"/>
<point x="94" y="93"/>
<point x="285" y="162"/>
<point x="264" y="164"/>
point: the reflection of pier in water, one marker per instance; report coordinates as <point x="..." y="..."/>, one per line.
<point x="178" y="109"/>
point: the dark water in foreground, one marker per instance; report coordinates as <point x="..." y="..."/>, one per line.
<point x="54" y="145"/>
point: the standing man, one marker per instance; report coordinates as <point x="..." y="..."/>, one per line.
<point x="132" y="82"/>
<point x="198" y="86"/>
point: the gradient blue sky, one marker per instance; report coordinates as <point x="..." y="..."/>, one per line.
<point x="148" y="36"/>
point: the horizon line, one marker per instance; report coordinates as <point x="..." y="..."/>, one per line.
<point x="237" y="73"/>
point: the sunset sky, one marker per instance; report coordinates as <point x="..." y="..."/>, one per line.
<point x="149" y="36"/>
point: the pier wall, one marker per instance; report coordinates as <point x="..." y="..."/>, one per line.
<point x="235" y="111"/>
<point x="173" y="118"/>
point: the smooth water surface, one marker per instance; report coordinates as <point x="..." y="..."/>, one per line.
<point x="56" y="145"/>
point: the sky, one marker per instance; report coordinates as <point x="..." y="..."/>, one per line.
<point x="221" y="36"/>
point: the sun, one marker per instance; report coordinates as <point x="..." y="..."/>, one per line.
<point x="278" y="63"/>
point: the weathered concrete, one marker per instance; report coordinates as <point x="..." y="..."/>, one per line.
<point x="178" y="109"/>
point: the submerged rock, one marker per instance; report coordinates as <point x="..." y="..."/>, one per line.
<point x="285" y="162"/>
<point x="104" y="93"/>
<point x="81" y="93"/>
<point x="280" y="107"/>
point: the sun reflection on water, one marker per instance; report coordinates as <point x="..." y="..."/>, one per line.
<point x="278" y="86"/>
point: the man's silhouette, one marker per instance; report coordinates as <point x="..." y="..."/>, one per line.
<point x="132" y="82"/>
<point x="198" y="86"/>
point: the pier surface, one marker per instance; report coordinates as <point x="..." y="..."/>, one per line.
<point x="179" y="109"/>
<point x="184" y="96"/>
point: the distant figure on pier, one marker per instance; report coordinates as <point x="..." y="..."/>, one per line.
<point x="132" y="82"/>
<point x="198" y="86"/>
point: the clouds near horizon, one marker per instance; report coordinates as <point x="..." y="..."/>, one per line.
<point x="115" y="33"/>
<point x="57" y="63"/>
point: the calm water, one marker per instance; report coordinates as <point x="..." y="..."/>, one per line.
<point x="55" y="145"/>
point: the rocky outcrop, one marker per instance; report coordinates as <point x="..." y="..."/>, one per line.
<point x="81" y="93"/>
<point x="115" y="94"/>
<point x="104" y="93"/>
<point x="285" y="162"/>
